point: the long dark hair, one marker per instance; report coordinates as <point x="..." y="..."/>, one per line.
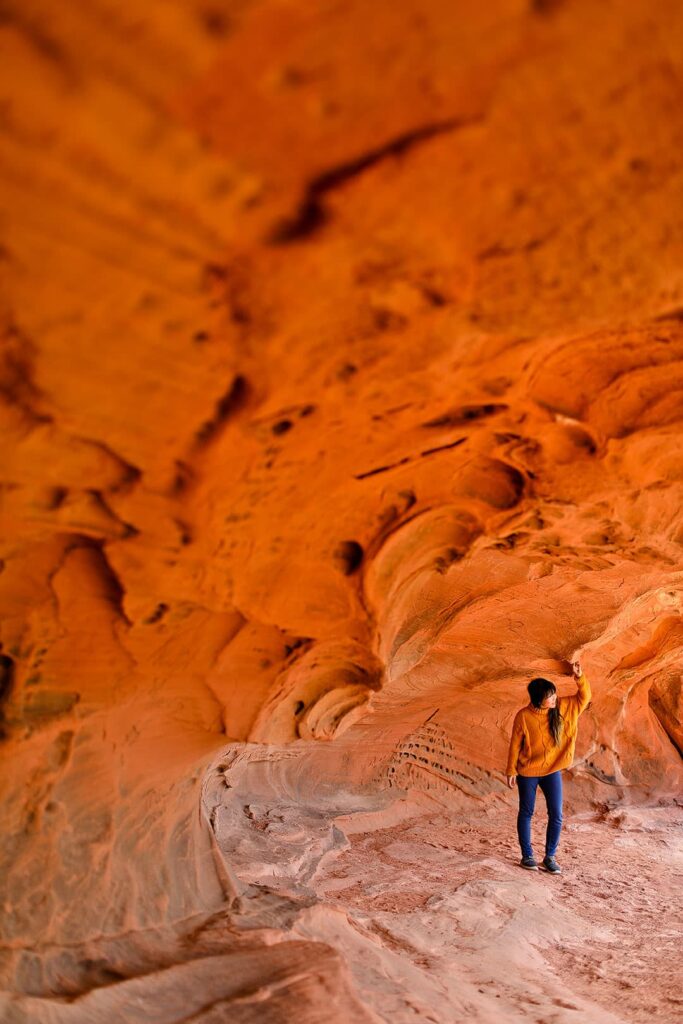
<point x="539" y="689"/>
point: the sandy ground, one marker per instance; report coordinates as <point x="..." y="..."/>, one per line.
<point x="423" y="897"/>
<point x="439" y="923"/>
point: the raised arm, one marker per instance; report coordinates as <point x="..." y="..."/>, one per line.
<point x="583" y="693"/>
<point x="516" y="741"/>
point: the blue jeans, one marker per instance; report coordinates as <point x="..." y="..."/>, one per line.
<point x="552" y="791"/>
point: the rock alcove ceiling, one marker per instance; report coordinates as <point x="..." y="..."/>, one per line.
<point x="341" y="385"/>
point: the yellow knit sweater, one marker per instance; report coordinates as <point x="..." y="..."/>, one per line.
<point x="532" y="751"/>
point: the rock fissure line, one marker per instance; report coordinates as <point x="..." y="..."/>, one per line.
<point x="312" y="213"/>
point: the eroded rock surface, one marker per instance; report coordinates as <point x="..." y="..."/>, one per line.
<point x="341" y="391"/>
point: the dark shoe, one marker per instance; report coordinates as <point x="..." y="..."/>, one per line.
<point x="530" y="863"/>
<point x="551" y="865"/>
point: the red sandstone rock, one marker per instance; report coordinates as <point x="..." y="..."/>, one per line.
<point x="341" y="390"/>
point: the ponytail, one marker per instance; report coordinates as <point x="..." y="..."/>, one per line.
<point x="555" y="724"/>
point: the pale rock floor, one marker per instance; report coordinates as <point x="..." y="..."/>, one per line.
<point x="438" y="923"/>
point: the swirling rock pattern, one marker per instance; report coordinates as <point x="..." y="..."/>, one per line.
<point x="341" y="390"/>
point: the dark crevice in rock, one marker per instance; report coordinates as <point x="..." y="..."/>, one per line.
<point x="157" y="615"/>
<point x="130" y="474"/>
<point x="184" y="531"/>
<point x="281" y="427"/>
<point x="517" y="483"/>
<point x="545" y="7"/>
<point x="312" y="214"/>
<point x="215" y="22"/>
<point x="584" y="441"/>
<point x="433" y="296"/>
<point x="381" y="469"/>
<point x="6" y="681"/>
<point x="114" y="590"/>
<point x="670" y="314"/>
<point x="409" y="458"/>
<point x="408" y="497"/>
<point x="34" y="31"/>
<point x="296" y="643"/>
<point x="232" y="401"/>
<point x="466" y="414"/>
<point x="56" y="498"/>
<point x="443" y="447"/>
<point x="184" y="476"/>
<point x="348" y="555"/>
<point x="17" y="385"/>
<point x="346" y="370"/>
<point x="127" y="529"/>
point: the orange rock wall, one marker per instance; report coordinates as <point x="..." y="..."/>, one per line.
<point x="341" y="386"/>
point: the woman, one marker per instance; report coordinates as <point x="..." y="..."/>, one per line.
<point x="541" y="746"/>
